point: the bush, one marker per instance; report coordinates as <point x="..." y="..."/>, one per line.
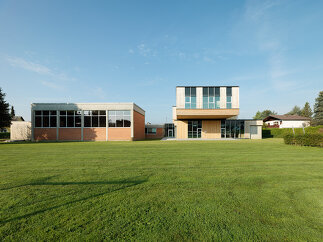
<point x="5" y="135"/>
<point x="280" y="133"/>
<point x="289" y="139"/>
<point x="304" y="139"/>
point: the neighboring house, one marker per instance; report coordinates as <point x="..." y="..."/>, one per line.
<point x="208" y="112"/>
<point x="286" y="121"/>
<point x="87" y="121"/>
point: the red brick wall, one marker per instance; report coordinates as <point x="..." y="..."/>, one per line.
<point x="45" y="133"/>
<point x="94" y="134"/>
<point x="69" y="134"/>
<point x="159" y="134"/>
<point x="119" y="133"/>
<point x="139" y="126"/>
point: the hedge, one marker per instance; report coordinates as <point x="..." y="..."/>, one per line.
<point x="304" y="139"/>
<point x="280" y="133"/>
<point x="5" y="135"/>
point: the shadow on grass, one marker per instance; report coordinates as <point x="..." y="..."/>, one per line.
<point x="126" y="182"/>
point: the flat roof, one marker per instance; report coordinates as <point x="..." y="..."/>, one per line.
<point x="207" y="86"/>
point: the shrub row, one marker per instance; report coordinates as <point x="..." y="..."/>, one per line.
<point x="304" y="139"/>
<point x="280" y="133"/>
<point x="4" y="135"/>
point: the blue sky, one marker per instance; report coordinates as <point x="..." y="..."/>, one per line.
<point x="139" y="51"/>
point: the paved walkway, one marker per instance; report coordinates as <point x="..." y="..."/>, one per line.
<point x="195" y="139"/>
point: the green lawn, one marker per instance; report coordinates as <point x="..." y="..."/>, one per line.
<point x="154" y="190"/>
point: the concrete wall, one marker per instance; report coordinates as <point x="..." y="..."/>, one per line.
<point x="20" y="130"/>
<point x="253" y="129"/>
<point x="199" y="97"/>
<point x="235" y="97"/>
<point x="180" y="97"/>
<point x="223" y="97"/>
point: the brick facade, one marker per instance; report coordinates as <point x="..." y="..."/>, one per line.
<point x="44" y="134"/>
<point x="94" y="134"/>
<point x="139" y="126"/>
<point x="119" y="133"/>
<point x="69" y="134"/>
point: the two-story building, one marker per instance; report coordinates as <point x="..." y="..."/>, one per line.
<point x="210" y="112"/>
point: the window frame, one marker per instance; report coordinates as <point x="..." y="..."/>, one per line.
<point x="117" y="113"/>
<point x="45" y="114"/>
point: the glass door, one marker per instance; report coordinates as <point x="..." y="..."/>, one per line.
<point x="194" y="128"/>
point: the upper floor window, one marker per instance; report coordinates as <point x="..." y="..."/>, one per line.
<point x="211" y="97"/>
<point x="119" y="118"/>
<point x="70" y="118"/>
<point x="229" y="97"/>
<point x="45" y="119"/>
<point x="95" y="118"/>
<point x="190" y="97"/>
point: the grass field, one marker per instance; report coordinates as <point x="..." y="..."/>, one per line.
<point x="154" y="190"/>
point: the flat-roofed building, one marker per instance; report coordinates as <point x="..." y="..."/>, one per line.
<point x="87" y="121"/>
<point x="209" y="112"/>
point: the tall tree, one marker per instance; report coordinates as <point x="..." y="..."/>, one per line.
<point x="307" y="111"/>
<point x="264" y="114"/>
<point x="12" y="112"/>
<point x="295" y="111"/>
<point x="5" y="118"/>
<point x="318" y="110"/>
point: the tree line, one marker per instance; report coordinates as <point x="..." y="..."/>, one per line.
<point x="5" y="115"/>
<point x="306" y="111"/>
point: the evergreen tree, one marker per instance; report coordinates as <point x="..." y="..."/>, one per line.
<point x="307" y="111"/>
<point x="12" y="113"/>
<point x="318" y="110"/>
<point x="295" y="111"/>
<point x="5" y="118"/>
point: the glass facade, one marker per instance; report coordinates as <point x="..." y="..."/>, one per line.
<point x="232" y="128"/>
<point x="120" y="118"/>
<point x="194" y="128"/>
<point x="70" y="119"/>
<point x="95" y="118"/>
<point x="45" y="119"/>
<point x="211" y="97"/>
<point x="190" y="97"/>
<point x="229" y="97"/>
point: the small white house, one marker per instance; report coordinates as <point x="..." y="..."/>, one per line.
<point x="286" y="121"/>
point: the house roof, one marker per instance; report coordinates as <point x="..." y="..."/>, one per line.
<point x="286" y="117"/>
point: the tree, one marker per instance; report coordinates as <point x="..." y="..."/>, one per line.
<point x="295" y="111"/>
<point x="307" y="111"/>
<point x="5" y="118"/>
<point x="12" y="113"/>
<point x="264" y="114"/>
<point x="318" y="110"/>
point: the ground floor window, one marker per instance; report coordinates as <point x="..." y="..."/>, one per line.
<point x="194" y="128"/>
<point x="150" y="130"/>
<point x="232" y="129"/>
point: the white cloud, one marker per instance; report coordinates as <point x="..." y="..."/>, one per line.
<point x="52" y="85"/>
<point x="37" y="68"/>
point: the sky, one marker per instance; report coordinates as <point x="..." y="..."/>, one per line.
<point x="139" y="51"/>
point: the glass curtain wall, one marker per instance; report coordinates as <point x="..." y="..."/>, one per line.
<point x="229" y="97"/>
<point x="169" y="130"/>
<point x="194" y="128"/>
<point x="211" y="97"/>
<point x="232" y="129"/>
<point x="190" y="97"/>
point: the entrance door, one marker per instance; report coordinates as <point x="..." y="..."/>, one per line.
<point x="194" y="128"/>
<point x="199" y="133"/>
<point x="170" y="133"/>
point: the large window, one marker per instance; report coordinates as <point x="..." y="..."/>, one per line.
<point x="211" y="97"/>
<point x="229" y="97"/>
<point x="119" y="118"/>
<point x="232" y="128"/>
<point x="190" y="97"/>
<point x="45" y="119"/>
<point x="194" y="128"/>
<point x="151" y="130"/>
<point x="95" y="118"/>
<point x="69" y="119"/>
